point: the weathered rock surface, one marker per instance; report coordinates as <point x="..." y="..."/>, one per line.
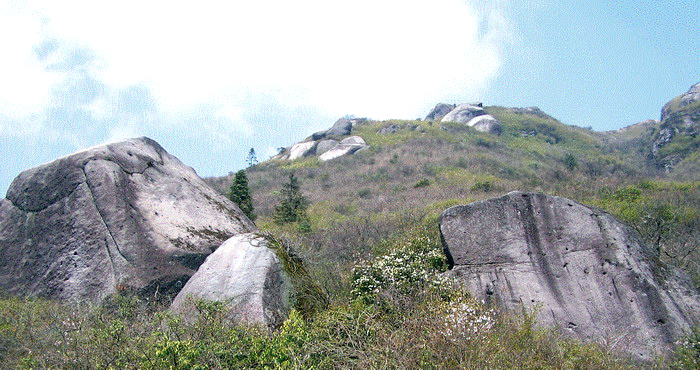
<point x="353" y="140"/>
<point x="680" y="124"/>
<point x="121" y="216"/>
<point x="341" y="127"/>
<point x="247" y="276"/>
<point x="347" y="146"/>
<point x="325" y="145"/>
<point x="485" y="123"/>
<point x="463" y="113"/>
<point x="587" y="272"/>
<point x="391" y="129"/>
<point x="318" y="135"/>
<point x="689" y="97"/>
<point x="439" y="111"/>
<point x="302" y="150"/>
<point x="394" y="128"/>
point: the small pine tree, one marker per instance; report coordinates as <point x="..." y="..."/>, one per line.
<point x="239" y="193"/>
<point x="251" y="159"/>
<point x="293" y="204"/>
<point x="570" y="161"/>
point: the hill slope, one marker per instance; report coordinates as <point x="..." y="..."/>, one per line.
<point x="413" y="170"/>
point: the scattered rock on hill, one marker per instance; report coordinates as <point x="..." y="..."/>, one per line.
<point x="318" y="135"/>
<point x="691" y="96"/>
<point x="394" y="128"/>
<point x="439" y="111"/>
<point x="473" y="115"/>
<point x="347" y="146"/>
<point x="247" y="276"/>
<point x="391" y="129"/>
<point x="485" y="123"/>
<point x="325" y="145"/>
<point x="463" y="113"/>
<point x="580" y="268"/>
<point x="121" y="216"/>
<point x="680" y="125"/>
<point x="302" y="150"/>
<point x="341" y="127"/>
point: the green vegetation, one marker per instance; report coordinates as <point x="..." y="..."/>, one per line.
<point x="292" y="204"/>
<point x="308" y="297"/>
<point x="666" y="215"/>
<point x="687" y="355"/>
<point x="408" y="322"/>
<point x="422" y="183"/>
<point x="371" y="290"/>
<point x="252" y="159"/>
<point x="570" y="162"/>
<point x="239" y="193"/>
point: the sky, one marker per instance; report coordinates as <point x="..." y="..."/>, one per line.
<point x="209" y="80"/>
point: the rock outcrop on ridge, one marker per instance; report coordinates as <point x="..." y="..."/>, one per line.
<point x="464" y="113"/>
<point x="680" y="125"/>
<point x="302" y="150"/>
<point x="578" y="267"/>
<point x="346" y="146"/>
<point x="120" y="216"/>
<point x="325" y="144"/>
<point x="473" y="115"/>
<point x="689" y="97"/>
<point x="440" y="110"/>
<point x="247" y="276"/>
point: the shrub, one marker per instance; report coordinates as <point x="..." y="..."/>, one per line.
<point x="422" y="183"/>
<point x="484" y="186"/>
<point x="364" y="193"/>
<point x="570" y="161"/>
<point x="412" y="264"/>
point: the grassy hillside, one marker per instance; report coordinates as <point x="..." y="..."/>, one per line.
<point x="371" y="242"/>
<point x="414" y="174"/>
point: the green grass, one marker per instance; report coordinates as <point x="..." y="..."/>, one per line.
<point x="361" y="204"/>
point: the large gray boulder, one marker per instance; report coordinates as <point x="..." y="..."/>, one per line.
<point x="464" y="113"/>
<point x="578" y="267"/>
<point x="302" y="150"/>
<point x="121" y="216"/>
<point x="347" y="146"/>
<point x="440" y="110"/>
<point x="245" y="275"/>
<point x="341" y="127"/>
<point x="325" y="145"/>
<point x="485" y="123"/>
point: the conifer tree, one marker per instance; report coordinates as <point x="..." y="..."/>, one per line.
<point x="251" y="159"/>
<point x="293" y="204"/>
<point x="239" y="193"/>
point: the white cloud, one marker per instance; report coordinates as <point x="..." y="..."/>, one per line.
<point x="25" y="85"/>
<point x="373" y="58"/>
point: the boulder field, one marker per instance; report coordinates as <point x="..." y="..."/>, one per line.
<point x="126" y="216"/>
<point x="577" y="267"/>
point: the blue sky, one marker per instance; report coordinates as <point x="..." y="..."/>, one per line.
<point x="210" y="80"/>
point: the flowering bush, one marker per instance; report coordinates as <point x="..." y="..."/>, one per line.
<point x="467" y="319"/>
<point x="414" y="263"/>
